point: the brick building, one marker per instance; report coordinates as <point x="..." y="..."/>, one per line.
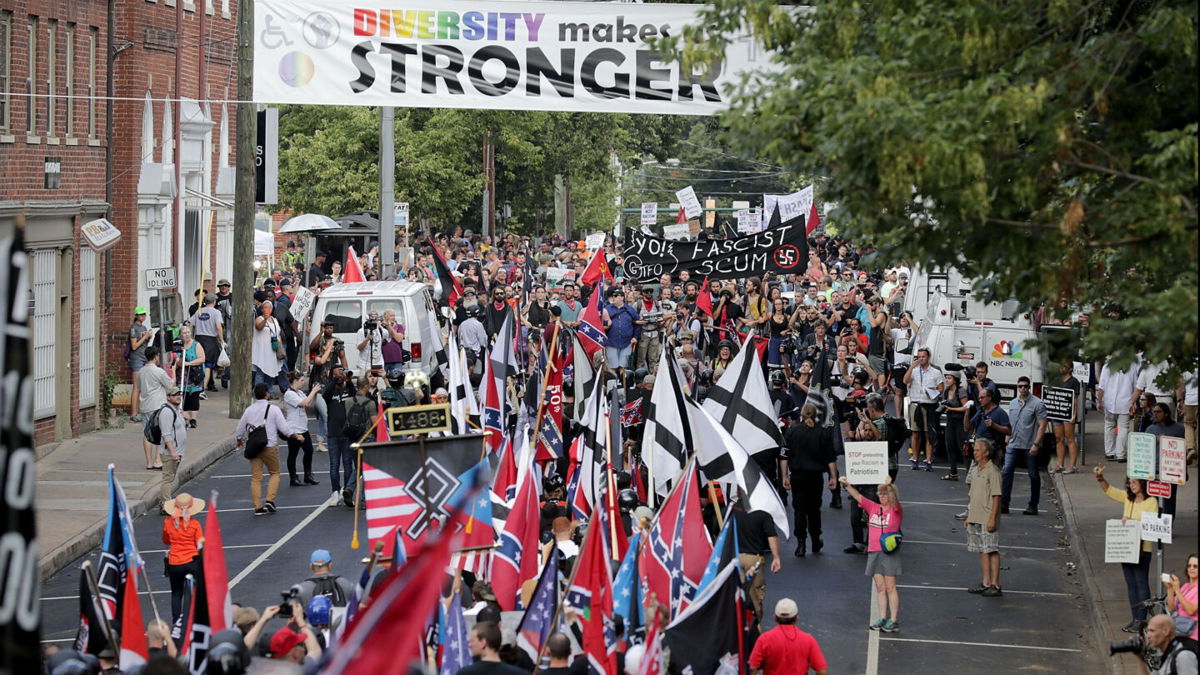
<point x="109" y="113"/>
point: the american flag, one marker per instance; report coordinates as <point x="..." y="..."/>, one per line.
<point x="456" y="652"/>
<point x="538" y="621"/>
<point x="389" y="507"/>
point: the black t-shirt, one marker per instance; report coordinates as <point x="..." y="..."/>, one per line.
<point x="335" y="396"/>
<point x="731" y="312"/>
<point x="754" y="528"/>
<point x="557" y="670"/>
<point x="491" y="668"/>
<point x="809" y="449"/>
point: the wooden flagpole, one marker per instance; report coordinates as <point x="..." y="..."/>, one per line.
<point x="542" y="395"/>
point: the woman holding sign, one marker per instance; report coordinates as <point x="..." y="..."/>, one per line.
<point x="1134" y="502"/>
<point x="883" y="550"/>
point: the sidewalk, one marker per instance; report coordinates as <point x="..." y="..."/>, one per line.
<point x="72" y="480"/>
<point x="1087" y="508"/>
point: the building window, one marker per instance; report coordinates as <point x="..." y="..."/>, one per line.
<point x="5" y="68"/>
<point x="93" y="47"/>
<point x="31" y="79"/>
<point x="45" y="300"/>
<point x="70" y="78"/>
<point x="51" y="75"/>
<point x="87" y="326"/>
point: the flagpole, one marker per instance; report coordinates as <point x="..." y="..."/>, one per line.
<point x="612" y="488"/>
<point x="94" y="589"/>
<point x="542" y="396"/>
<point x="149" y="593"/>
<point x="357" y="482"/>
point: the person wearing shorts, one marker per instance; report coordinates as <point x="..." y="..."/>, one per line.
<point x="983" y="518"/>
<point x="139" y="336"/>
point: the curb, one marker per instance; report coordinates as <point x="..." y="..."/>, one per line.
<point x="1084" y="565"/>
<point x="54" y="561"/>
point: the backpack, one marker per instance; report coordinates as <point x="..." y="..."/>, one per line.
<point x="150" y="429"/>
<point x="328" y="587"/>
<point x="358" y="418"/>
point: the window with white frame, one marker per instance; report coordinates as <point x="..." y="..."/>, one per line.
<point x="31" y="79"/>
<point x="5" y="68"/>
<point x="51" y="75"/>
<point x="87" y="327"/>
<point x="45" y="301"/>
<point x="70" y="79"/>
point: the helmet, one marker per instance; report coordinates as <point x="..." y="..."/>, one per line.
<point x="475" y="311"/>
<point x="228" y="654"/>
<point x="627" y="500"/>
<point x="777" y="378"/>
<point x="552" y="482"/>
<point x="727" y="343"/>
<point x="318" y="610"/>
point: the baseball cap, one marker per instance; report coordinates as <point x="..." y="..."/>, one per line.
<point x="139" y="310"/>
<point x="284" y="640"/>
<point x="320" y="557"/>
<point x="223" y="282"/>
<point x="285" y="282"/>
<point x="174" y="391"/>
<point x="784" y="609"/>
<point x="649" y="379"/>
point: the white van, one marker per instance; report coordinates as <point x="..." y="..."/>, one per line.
<point x="348" y="305"/>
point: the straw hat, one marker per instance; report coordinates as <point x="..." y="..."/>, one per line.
<point x="184" y="502"/>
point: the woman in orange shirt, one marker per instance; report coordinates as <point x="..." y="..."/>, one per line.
<point x="184" y="538"/>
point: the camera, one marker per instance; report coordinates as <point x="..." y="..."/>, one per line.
<point x="285" y="607"/>
<point x="790" y="345"/>
<point x="370" y="324"/>
<point x="338" y="345"/>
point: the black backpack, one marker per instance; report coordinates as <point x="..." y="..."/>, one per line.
<point x="328" y="587"/>
<point x="150" y="429"/>
<point x="358" y="418"/>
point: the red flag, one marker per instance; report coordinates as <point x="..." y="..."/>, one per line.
<point x="597" y="269"/>
<point x="134" y="650"/>
<point x="549" y="442"/>
<point x="760" y="343"/>
<point x="381" y="429"/>
<point x="516" y="559"/>
<point x="451" y="290"/>
<point x="678" y="545"/>
<point x="682" y="217"/>
<point x="590" y="594"/>
<point x="352" y="270"/>
<point x="704" y="299"/>
<point x="216" y="576"/>
<point x="591" y="326"/>
<point x="813" y="219"/>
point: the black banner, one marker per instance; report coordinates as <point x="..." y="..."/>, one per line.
<point x="782" y="249"/>
<point x="20" y="605"/>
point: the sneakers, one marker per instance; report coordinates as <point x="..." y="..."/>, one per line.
<point x="260" y="511"/>
<point x="928" y="465"/>
<point x="853" y="549"/>
<point x="348" y="497"/>
<point x="978" y="589"/>
<point x="961" y="516"/>
<point x="203" y="396"/>
<point x="335" y="497"/>
<point x="992" y="592"/>
<point x="950" y="476"/>
<point x="1031" y="511"/>
<point x="321" y="447"/>
<point x="270" y="506"/>
<point x="916" y="464"/>
<point x="1133" y="626"/>
<point x="1070" y="469"/>
<point x="1057" y="469"/>
<point x="878" y="624"/>
<point x="890" y="627"/>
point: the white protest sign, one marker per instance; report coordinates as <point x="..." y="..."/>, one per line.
<point x="1157" y="527"/>
<point x="748" y="221"/>
<point x="1141" y="451"/>
<point x="649" y="213"/>
<point x="1122" y="541"/>
<point x="1172" y="460"/>
<point x="790" y="206"/>
<point x="1081" y="372"/>
<point x="595" y="241"/>
<point x="303" y="303"/>
<point x="682" y="231"/>
<point x="555" y="276"/>
<point x="689" y="202"/>
<point x="867" y="462"/>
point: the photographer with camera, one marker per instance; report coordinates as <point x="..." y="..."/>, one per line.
<point x="977" y="379"/>
<point x="1163" y="652"/>
<point x="924" y="384"/>
<point x="393" y="347"/>
<point x="369" y="343"/>
<point x="324" y="351"/>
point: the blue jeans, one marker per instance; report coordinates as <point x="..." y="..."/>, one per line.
<point x="618" y="357"/>
<point x="1011" y="457"/>
<point x="280" y="379"/>
<point x="774" y="358"/>
<point x="340" y="457"/>
<point x="322" y="417"/>
<point x="1137" y="584"/>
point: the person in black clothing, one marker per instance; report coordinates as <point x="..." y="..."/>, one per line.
<point x="495" y="312"/>
<point x="339" y="391"/>
<point x="810" y="454"/>
<point x="484" y="642"/>
<point x="559" y="648"/>
<point x="756" y="537"/>
<point x="316" y="272"/>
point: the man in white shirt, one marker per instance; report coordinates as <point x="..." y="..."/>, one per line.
<point x="924" y="382"/>
<point x="1115" y="395"/>
<point x="174" y="441"/>
<point x="262" y="413"/>
<point x="153" y="385"/>
<point x="369" y="342"/>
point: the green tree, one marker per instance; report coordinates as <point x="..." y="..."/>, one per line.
<point x="1048" y="146"/>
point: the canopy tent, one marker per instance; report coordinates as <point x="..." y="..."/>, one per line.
<point x="264" y="243"/>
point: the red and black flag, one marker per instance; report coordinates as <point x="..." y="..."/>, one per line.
<point x="449" y="290"/>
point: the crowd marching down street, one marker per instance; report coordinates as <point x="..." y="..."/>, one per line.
<point x="602" y="462"/>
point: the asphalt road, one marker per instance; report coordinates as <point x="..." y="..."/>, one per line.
<point x="1041" y="622"/>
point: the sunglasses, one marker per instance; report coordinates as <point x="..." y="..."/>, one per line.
<point x="1022" y="386"/>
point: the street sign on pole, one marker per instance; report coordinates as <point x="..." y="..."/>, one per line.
<point x="1172" y="460"/>
<point x="1156" y="488"/>
<point x="161" y="278"/>
<point x="400" y="215"/>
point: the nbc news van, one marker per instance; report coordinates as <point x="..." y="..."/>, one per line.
<point x="348" y="305"/>
<point x="959" y="328"/>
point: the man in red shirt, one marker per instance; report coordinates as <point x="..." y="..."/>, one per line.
<point x="785" y="648"/>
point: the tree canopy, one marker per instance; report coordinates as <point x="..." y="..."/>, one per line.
<point x="1047" y="147"/>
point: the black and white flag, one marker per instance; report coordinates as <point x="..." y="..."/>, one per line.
<point x="741" y="401"/>
<point x="667" y="436"/>
<point x="463" y="403"/>
<point x="704" y="638"/>
<point x="723" y="459"/>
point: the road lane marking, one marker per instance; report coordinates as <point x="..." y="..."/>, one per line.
<point x="959" y="543"/>
<point x="980" y="644"/>
<point x="76" y="597"/>
<point x="957" y="506"/>
<point x="226" y="547"/>
<point x="246" y="475"/>
<point x="290" y="506"/>
<point x="961" y="588"/>
<point x="279" y="544"/>
<point x="873" y="636"/>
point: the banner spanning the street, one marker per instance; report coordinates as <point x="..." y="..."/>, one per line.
<point x="569" y="56"/>
<point x="782" y="249"/>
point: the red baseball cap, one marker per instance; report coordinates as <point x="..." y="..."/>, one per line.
<point x="284" y="640"/>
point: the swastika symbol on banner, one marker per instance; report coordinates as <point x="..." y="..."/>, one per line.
<point x="787" y="256"/>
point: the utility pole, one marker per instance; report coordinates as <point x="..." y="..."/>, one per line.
<point x="387" y="191"/>
<point x="242" y="328"/>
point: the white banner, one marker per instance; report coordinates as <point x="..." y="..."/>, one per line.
<point x="572" y="56"/>
<point x="790" y="206"/>
<point x="595" y="241"/>
<point x="649" y="213"/>
<point x="303" y="303"/>
<point x="689" y="202"/>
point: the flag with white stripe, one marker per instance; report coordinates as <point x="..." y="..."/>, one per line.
<point x="463" y="403"/>
<point x="583" y="374"/>
<point x="742" y="403"/>
<point x="667" y="435"/>
<point x="723" y="459"/>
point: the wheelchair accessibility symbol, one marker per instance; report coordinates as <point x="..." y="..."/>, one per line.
<point x="273" y="36"/>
